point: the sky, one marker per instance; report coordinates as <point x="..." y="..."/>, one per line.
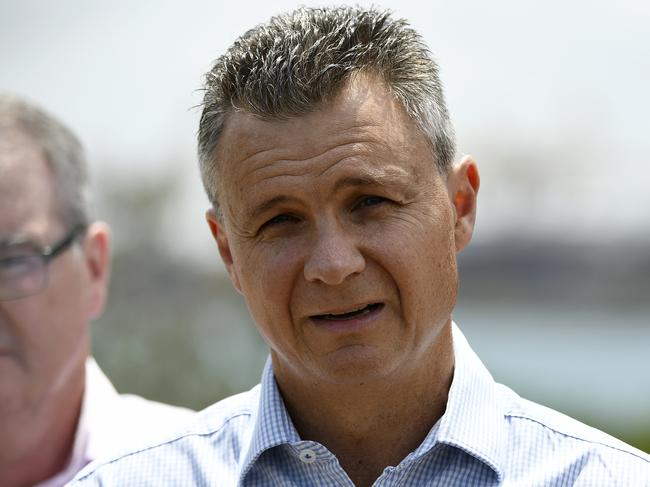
<point x="550" y="97"/>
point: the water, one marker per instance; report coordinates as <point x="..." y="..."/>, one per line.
<point x="594" y="363"/>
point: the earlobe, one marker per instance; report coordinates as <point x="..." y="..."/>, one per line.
<point x="463" y="184"/>
<point x="219" y="234"/>
<point x="97" y="254"/>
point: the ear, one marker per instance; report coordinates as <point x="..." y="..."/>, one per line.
<point x="218" y="230"/>
<point x="463" y="183"/>
<point x="96" y="247"/>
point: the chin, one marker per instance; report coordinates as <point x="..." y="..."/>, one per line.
<point x="356" y="364"/>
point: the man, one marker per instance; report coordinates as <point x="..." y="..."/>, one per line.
<point x="57" y="409"/>
<point x="328" y="156"/>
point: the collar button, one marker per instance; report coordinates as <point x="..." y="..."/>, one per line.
<point x="307" y="456"/>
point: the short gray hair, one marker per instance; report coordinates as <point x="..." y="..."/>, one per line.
<point x="289" y="65"/>
<point x="61" y="149"/>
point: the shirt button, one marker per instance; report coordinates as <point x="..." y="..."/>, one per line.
<point x="307" y="456"/>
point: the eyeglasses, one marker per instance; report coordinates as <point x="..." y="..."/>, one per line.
<point x="23" y="265"/>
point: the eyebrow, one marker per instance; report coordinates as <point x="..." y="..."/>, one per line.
<point x="359" y="181"/>
<point x="14" y="241"/>
<point x="19" y="239"/>
<point x="351" y="181"/>
<point x="269" y="204"/>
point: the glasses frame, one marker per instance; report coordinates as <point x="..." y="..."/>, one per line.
<point x="47" y="254"/>
<point x="50" y="252"/>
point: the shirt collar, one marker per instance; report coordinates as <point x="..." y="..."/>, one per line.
<point x="98" y="393"/>
<point x="273" y="426"/>
<point x="100" y="399"/>
<point x="473" y="419"/>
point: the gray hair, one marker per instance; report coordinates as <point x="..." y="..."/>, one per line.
<point x="62" y="151"/>
<point x="297" y="60"/>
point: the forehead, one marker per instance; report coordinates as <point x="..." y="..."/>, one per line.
<point x="26" y="192"/>
<point x="363" y="105"/>
<point x="362" y="129"/>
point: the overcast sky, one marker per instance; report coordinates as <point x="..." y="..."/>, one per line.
<point x="551" y="97"/>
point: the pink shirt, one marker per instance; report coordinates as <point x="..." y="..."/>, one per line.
<point x="109" y="421"/>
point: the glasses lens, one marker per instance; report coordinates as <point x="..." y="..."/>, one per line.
<point x="21" y="276"/>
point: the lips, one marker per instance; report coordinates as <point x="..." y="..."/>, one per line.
<point x="351" y="314"/>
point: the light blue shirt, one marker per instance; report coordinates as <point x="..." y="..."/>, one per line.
<point x="488" y="436"/>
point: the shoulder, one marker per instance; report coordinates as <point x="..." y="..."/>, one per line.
<point x="110" y="420"/>
<point x="209" y="444"/>
<point x="549" y="441"/>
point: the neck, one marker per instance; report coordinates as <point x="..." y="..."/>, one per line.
<point x="396" y="413"/>
<point x="37" y="444"/>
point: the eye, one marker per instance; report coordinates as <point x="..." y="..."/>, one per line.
<point x="278" y="220"/>
<point x="370" y="201"/>
<point x="18" y="266"/>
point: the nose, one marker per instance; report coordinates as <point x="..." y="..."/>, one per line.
<point x="333" y="257"/>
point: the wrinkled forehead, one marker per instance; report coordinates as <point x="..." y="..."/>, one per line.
<point x="362" y="138"/>
<point x="26" y="187"/>
<point x="364" y="109"/>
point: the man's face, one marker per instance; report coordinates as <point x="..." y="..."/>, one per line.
<point x="341" y="234"/>
<point x="43" y="337"/>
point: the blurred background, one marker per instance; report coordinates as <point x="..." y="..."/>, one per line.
<point x="550" y="97"/>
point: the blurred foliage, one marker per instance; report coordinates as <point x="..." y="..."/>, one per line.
<point x="171" y="332"/>
<point x="640" y="440"/>
<point x="176" y="337"/>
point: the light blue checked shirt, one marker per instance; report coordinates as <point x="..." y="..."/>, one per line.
<point x="487" y="436"/>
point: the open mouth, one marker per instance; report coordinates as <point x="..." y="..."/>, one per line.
<point x="349" y="315"/>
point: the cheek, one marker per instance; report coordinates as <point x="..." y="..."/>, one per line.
<point x="64" y="320"/>
<point x="65" y="309"/>
<point x="49" y="330"/>
<point x="19" y="322"/>
<point x="265" y="268"/>
<point x="421" y="261"/>
<point x="267" y="274"/>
